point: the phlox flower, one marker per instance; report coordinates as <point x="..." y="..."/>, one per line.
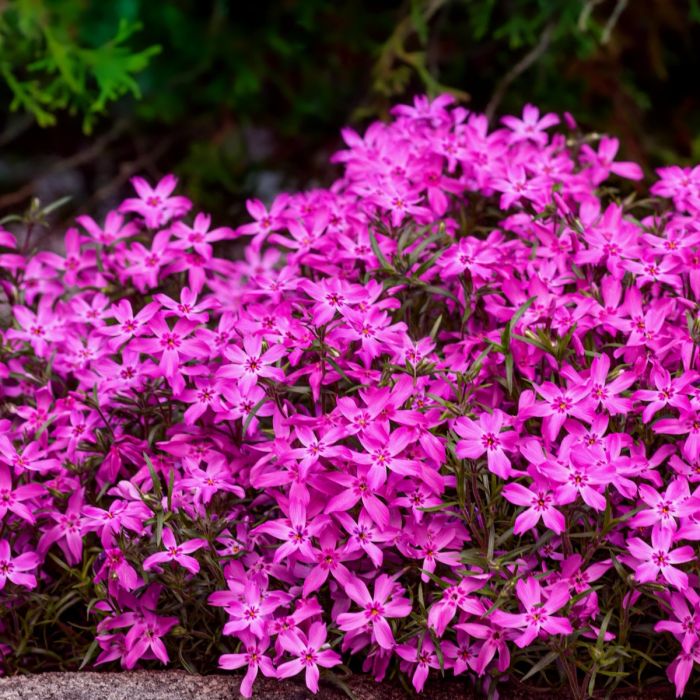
<point x="250" y="363"/>
<point x="659" y="558"/>
<point x="540" y="501"/>
<point x="174" y="552"/>
<point x="143" y="640"/>
<point x="254" y="658"/>
<point x="486" y="437"/>
<point x="198" y="236"/>
<point x="531" y="127"/>
<point x="15" y="569"/>
<point x="376" y="608"/>
<point x="539" y="606"/>
<point x="422" y="654"/>
<point x="13" y="498"/>
<point x="311" y="652"/>
<point x="155" y="204"/>
<point x="685" y="621"/>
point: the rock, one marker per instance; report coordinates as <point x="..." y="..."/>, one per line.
<point x="178" y="685"/>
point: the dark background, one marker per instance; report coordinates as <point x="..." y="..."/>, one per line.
<point x="247" y="98"/>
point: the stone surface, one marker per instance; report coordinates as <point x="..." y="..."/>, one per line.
<point x="178" y="685"/>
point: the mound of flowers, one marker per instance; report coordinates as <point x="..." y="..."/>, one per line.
<point x="439" y="418"/>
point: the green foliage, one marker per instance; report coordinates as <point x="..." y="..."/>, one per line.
<point x="292" y="71"/>
<point x="49" y="66"/>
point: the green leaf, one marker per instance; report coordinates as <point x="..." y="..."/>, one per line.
<point x="378" y="252"/>
<point x="154" y="477"/>
<point x="253" y="412"/>
<point x="541" y="664"/>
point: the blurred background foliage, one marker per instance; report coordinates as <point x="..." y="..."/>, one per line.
<point x="247" y="98"/>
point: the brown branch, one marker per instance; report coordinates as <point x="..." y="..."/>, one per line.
<point x="95" y="150"/>
<point x="518" y="69"/>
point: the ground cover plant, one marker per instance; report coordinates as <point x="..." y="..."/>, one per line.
<point x="440" y="417"/>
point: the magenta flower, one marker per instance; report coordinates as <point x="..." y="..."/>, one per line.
<point x="254" y="658"/>
<point x="424" y="658"/>
<point x="113" y="230"/>
<point x="494" y="641"/>
<point x="128" y="326"/>
<point x="172" y="345"/>
<point x="669" y="392"/>
<point x="145" y="264"/>
<point x="205" y="484"/>
<point x="15" y="570"/>
<point x="559" y="404"/>
<point x="198" y="236"/>
<point x="329" y="561"/>
<point x="109" y="523"/>
<point x="187" y="307"/>
<point x="606" y="393"/>
<point x="174" y="552"/>
<point x="31" y="457"/>
<point x="454" y="598"/>
<point x="659" y="558"/>
<point x="685" y="622"/>
<point x="663" y="510"/>
<point x="117" y="568"/>
<point x="247" y="612"/>
<point x="144" y="639"/>
<point x="41" y="329"/>
<point x="68" y="530"/>
<point x="531" y="127"/>
<point x="486" y="437"/>
<point x="603" y="162"/>
<point x="364" y="535"/>
<point x="376" y="609"/>
<point x="12" y="499"/>
<point x="538" y="617"/>
<point x="382" y="455"/>
<point x="540" y="502"/>
<point x="355" y="488"/>
<point x="250" y="363"/>
<point x="155" y="204"/>
<point x="296" y="533"/>
<point x="311" y="652"/>
<point x="265" y="221"/>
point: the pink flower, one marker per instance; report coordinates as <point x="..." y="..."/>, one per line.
<point x="531" y="126"/>
<point x="155" y="204"/>
<point x="540" y="502"/>
<point x="254" y="658"/>
<point x="376" y="609"/>
<point x="68" y="530"/>
<point x="198" y="236"/>
<point x="424" y="657"/>
<point x="663" y="510"/>
<point x="128" y="326"/>
<point x="669" y="392"/>
<point x="684" y="625"/>
<point x="603" y="164"/>
<point x="247" y="612"/>
<point x="265" y="221"/>
<point x="12" y="499"/>
<point x="486" y="437"/>
<point x="537" y="618"/>
<point x="250" y="363"/>
<point x="144" y="639"/>
<point x="14" y="570"/>
<point x="311" y="652"/>
<point x="659" y="558"/>
<point x="175" y="552"/>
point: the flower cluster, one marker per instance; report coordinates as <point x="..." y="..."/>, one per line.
<point x="441" y="415"/>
